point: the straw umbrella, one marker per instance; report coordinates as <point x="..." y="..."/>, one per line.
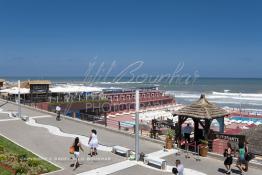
<point x="202" y="112"/>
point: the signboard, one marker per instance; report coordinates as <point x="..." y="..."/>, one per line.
<point x="39" y="88"/>
<point x="231" y="138"/>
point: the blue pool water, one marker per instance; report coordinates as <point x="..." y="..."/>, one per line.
<point x="127" y="124"/>
<point x="246" y="119"/>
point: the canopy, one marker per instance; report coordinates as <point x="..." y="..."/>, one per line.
<point x="14" y="91"/>
<point x="56" y="89"/>
<point x="202" y="109"/>
<point x="74" y="89"/>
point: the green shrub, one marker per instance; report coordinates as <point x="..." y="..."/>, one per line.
<point x="34" y="171"/>
<point x="22" y="157"/>
<point x="20" y="168"/>
<point x="2" y="150"/>
<point x="2" y="157"/>
<point x="170" y="134"/>
<point x="205" y="142"/>
<point x="9" y="159"/>
<point x="32" y="162"/>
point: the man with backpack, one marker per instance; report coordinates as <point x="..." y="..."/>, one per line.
<point x="179" y="169"/>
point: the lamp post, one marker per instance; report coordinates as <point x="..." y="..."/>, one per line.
<point x="137" y="149"/>
<point x="19" y="99"/>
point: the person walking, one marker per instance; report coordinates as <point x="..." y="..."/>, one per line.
<point x="229" y="158"/>
<point x="58" y="111"/>
<point x="77" y="147"/>
<point x="93" y="143"/>
<point x="241" y="158"/>
<point x="246" y="156"/>
<point x="179" y="169"/>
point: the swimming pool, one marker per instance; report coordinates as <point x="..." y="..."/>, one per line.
<point x="246" y="119"/>
<point x="127" y="124"/>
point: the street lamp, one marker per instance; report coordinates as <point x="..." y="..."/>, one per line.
<point x="137" y="149"/>
<point x="19" y="99"/>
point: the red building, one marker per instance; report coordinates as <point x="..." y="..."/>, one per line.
<point x="126" y="100"/>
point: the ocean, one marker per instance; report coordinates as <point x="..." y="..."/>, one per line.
<point x="244" y="93"/>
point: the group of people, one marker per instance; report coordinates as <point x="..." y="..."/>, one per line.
<point x="241" y="153"/>
<point x="242" y="157"/>
<point x="93" y="144"/>
<point x="77" y="146"/>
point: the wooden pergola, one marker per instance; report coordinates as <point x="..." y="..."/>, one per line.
<point x="203" y="113"/>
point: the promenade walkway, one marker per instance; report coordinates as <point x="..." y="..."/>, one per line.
<point x="51" y="139"/>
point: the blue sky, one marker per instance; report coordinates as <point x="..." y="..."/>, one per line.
<point x="218" y="38"/>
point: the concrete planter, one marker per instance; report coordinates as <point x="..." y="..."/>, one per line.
<point x="169" y="143"/>
<point x="203" y="150"/>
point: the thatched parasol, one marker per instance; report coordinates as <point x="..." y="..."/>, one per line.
<point x="202" y="109"/>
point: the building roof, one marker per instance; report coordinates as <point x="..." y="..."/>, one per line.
<point x="202" y="109"/>
<point x="2" y="80"/>
<point x="254" y="138"/>
<point x="39" y="82"/>
<point x="26" y="84"/>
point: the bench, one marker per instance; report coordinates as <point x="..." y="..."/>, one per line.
<point x="155" y="161"/>
<point x="121" y="150"/>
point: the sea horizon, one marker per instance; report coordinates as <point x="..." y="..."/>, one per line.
<point x="225" y="92"/>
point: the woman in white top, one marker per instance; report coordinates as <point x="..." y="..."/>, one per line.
<point x="93" y="143"/>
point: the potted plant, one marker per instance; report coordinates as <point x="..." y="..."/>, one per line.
<point x="203" y="148"/>
<point x="170" y="139"/>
